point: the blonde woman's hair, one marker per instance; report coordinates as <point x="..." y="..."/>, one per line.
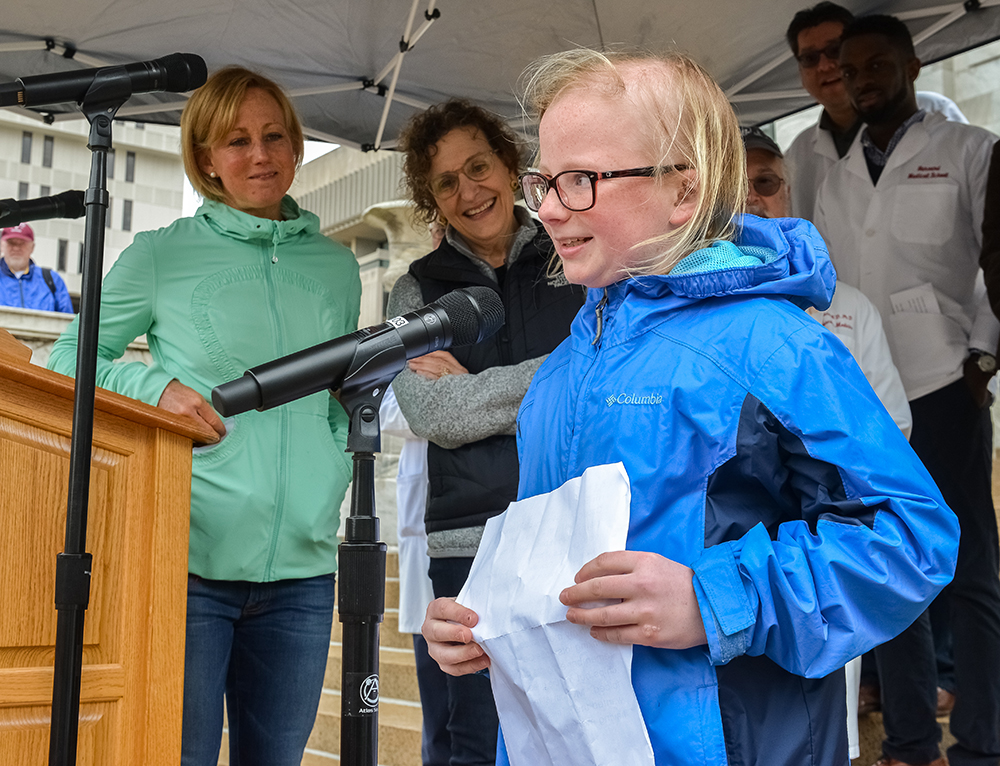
<point x="684" y="119"/>
<point x="211" y="113"/>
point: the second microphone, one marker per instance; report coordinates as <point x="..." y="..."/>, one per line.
<point x="373" y="354"/>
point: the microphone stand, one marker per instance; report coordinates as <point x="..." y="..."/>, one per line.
<point x="111" y="88"/>
<point x="379" y="353"/>
<point x="361" y="590"/>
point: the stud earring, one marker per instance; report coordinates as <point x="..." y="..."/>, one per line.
<point x="212" y="174"/>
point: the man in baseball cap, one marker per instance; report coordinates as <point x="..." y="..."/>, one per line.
<point x="22" y="283"/>
<point x="770" y="193"/>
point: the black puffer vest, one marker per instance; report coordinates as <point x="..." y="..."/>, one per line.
<point x="470" y="484"/>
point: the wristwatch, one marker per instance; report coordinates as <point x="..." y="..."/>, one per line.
<point x="984" y="361"/>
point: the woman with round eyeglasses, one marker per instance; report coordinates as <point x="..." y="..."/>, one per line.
<point x="461" y="170"/>
<point x="779" y="523"/>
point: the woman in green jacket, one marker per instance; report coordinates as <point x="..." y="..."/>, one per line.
<point x="248" y="279"/>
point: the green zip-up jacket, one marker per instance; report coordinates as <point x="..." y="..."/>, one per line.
<point x="216" y="294"/>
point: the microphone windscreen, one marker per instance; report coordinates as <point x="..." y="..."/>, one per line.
<point x="184" y="72"/>
<point x="475" y="313"/>
<point x="73" y="206"/>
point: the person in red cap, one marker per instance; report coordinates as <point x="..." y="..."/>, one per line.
<point x="22" y="283"/>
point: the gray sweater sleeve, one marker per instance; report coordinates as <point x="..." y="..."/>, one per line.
<point x="458" y="409"/>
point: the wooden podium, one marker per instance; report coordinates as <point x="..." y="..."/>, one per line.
<point x="133" y="655"/>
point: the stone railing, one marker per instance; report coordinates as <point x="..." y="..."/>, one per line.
<point x="38" y="330"/>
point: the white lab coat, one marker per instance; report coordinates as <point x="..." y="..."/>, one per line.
<point x="807" y="161"/>
<point x="856" y="322"/>
<point x="811" y="155"/>
<point x="415" y="591"/>
<point x="922" y="224"/>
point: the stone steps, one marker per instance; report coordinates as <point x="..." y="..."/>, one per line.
<point x="871" y="733"/>
<point x="397" y="673"/>
<point x="400" y="718"/>
<point x="399" y="734"/>
<point x="389" y="634"/>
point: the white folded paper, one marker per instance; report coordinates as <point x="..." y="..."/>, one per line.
<point x="563" y="697"/>
<point x="917" y="300"/>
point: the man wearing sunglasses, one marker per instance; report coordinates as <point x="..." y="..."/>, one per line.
<point x="814" y="37"/>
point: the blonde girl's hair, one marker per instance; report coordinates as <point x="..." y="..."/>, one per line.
<point x="684" y="119"/>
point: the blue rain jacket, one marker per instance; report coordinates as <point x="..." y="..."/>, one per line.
<point x="758" y="456"/>
<point x="31" y="291"/>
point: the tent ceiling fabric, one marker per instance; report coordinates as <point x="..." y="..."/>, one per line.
<point x="474" y="50"/>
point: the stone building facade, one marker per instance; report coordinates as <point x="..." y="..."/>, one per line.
<point x="145" y="183"/>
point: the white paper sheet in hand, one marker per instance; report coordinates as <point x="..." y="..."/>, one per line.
<point x="563" y="697"/>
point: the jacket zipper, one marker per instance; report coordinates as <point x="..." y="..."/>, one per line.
<point x="580" y="423"/>
<point x="599" y="313"/>
<point x="503" y="338"/>
<point x="276" y="324"/>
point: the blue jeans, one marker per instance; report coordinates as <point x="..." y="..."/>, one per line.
<point x="472" y="713"/>
<point x="264" y="647"/>
<point x="435" y="745"/>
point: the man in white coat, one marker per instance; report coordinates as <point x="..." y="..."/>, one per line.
<point x="902" y="213"/>
<point x="851" y="317"/>
<point x="814" y="37"/>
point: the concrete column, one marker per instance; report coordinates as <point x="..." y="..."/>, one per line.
<point x="405" y="242"/>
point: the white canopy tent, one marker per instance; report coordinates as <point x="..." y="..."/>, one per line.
<point x="359" y="68"/>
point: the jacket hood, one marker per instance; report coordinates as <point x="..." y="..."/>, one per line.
<point x="236" y="224"/>
<point x="779" y="257"/>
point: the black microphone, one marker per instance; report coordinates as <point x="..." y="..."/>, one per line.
<point x="68" y="204"/>
<point x="370" y="355"/>
<point x="175" y="73"/>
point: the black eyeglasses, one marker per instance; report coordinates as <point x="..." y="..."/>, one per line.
<point x="577" y="189"/>
<point x="766" y="186"/>
<point x="476" y="168"/>
<point x="810" y="59"/>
